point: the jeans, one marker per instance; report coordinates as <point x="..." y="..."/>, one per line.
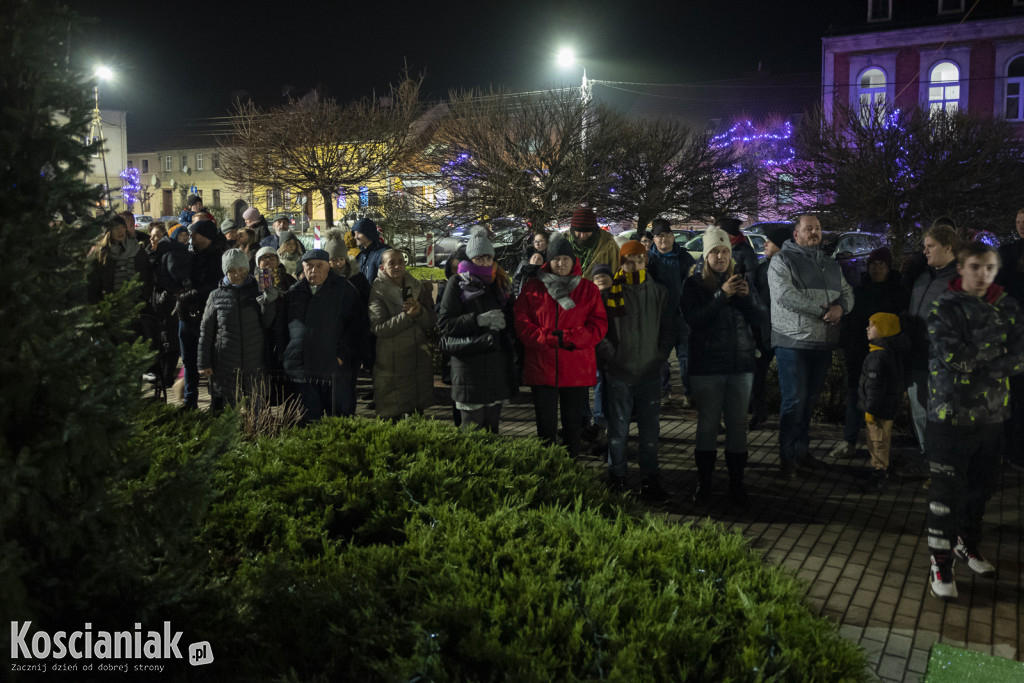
<point x="600" y="416"/>
<point x="918" y="394"/>
<point x="188" y="340"/>
<point x="682" y="355"/>
<point x="718" y="395"/>
<point x="802" y="374"/>
<point x="964" y="467"/>
<point x="622" y="398"/>
<point x="332" y="397"/>
<point x="574" y="405"/>
<point x="854" y="418"/>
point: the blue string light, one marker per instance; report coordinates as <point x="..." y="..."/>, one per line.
<point x="130" y="186"/>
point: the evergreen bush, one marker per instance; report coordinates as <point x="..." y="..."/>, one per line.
<point x="365" y="550"/>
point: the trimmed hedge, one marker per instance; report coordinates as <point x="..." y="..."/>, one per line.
<point x="361" y="550"/>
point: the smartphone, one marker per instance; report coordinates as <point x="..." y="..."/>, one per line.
<point x="740" y="270"/>
<point x="266" y="278"/>
<point x="406" y="293"/>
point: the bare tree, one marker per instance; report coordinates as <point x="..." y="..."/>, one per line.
<point x="521" y="155"/>
<point x="666" y="167"/>
<point x="904" y="169"/>
<point x="316" y="145"/>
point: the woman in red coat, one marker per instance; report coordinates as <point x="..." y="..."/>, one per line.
<point x="559" y="319"/>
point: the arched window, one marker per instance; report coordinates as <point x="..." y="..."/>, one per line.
<point x="944" y="88"/>
<point x="871" y="92"/>
<point x="1015" y="90"/>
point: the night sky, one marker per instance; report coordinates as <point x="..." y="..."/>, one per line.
<point x="182" y="61"/>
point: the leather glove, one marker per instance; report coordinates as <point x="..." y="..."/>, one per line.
<point x="493" y="319"/>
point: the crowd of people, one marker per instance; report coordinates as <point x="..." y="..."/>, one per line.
<point x="588" y="324"/>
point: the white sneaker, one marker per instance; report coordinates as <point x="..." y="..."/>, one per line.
<point x="973" y="559"/>
<point x="843" y="450"/>
<point x="941" y="582"/>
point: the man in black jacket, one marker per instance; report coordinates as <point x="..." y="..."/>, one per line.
<point x="319" y="334"/>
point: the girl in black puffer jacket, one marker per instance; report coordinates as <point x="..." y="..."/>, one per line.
<point x="231" y="348"/>
<point x="720" y="308"/>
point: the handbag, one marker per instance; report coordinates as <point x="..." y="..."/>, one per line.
<point x="470" y="345"/>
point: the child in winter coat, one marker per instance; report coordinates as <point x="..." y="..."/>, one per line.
<point x="290" y="252"/>
<point x="231" y="346"/>
<point x="882" y="383"/>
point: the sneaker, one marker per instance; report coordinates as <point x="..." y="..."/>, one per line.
<point x="651" y="492"/>
<point x="876" y="481"/>
<point x="149" y="378"/>
<point x="970" y="556"/>
<point x="941" y="581"/>
<point x="843" y="450"/>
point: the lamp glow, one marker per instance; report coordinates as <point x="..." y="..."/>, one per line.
<point x="104" y="73"/>
<point x="566" y="57"/>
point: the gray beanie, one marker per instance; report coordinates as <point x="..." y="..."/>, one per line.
<point x="263" y="252"/>
<point x="286" y="235"/>
<point x="234" y="258"/>
<point x="559" y="246"/>
<point x="478" y="244"/>
<point x="335" y="243"/>
<point x="227" y="225"/>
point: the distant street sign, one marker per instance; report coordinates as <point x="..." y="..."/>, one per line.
<point x="193" y="190"/>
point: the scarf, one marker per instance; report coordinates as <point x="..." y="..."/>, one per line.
<point x="616" y="303"/>
<point x="584" y="248"/>
<point x="874" y="347"/>
<point x="473" y="279"/>
<point x="290" y="262"/>
<point x="560" y="287"/>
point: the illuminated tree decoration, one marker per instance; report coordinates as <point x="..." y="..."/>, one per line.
<point x="130" y="186"/>
<point x="770" y="147"/>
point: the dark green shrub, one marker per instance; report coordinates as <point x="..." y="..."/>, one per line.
<point x="361" y="550"/>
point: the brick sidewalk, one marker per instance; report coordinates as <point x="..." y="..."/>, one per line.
<point x="863" y="556"/>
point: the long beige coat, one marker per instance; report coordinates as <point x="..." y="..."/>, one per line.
<point x="403" y="374"/>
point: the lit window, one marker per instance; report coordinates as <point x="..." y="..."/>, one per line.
<point x="1015" y="90"/>
<point x="184" y="162"/>
<point x="871" y="93"/>
<point x="944" y="88"/>
<point x="167" y="163"/>
<point x="199" y="162"/>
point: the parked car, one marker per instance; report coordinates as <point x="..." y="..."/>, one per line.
<point x="680" y="236"/>
<point x="142" y="222"/>
<point x="299" y="221"/>
<point x="851" y="250"/>
<point x="696" y="245"/>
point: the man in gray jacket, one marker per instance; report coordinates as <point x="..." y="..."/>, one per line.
<point x="809" y="297"/>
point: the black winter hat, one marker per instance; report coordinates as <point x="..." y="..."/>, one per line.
<point x="731" y="225"/>
<point x="368" y="228"/>
<point x="559" y="246"/>
<point x="206" y="228"/>
<point x="778" y="236"/>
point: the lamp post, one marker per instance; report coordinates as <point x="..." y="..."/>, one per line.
<point x="567" y="58"/>
<point x="102" y="73"/>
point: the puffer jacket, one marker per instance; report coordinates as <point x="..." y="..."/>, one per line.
<point x="204" y="276"/>
<point x="570" y="362"/>
<point x="638" y="342"/>
<point x="315" y="330"/>
<point x="883" y="377"/>
<point x="486" y="378"/>
<point x="370" y="258"/>
<point x="231" y="335"/>
<point x="804" y="282"/>
<point x="928" y="286"/>
<point x="403" y="372"/>
<point x="976" y="343"/>
<point x="722" y="339"/>
<point x="671" y="270"/>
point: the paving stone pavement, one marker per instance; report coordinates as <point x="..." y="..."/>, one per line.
<point x="863" y="557"/>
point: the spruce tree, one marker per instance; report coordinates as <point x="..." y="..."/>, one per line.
<point x="68" y="382"/>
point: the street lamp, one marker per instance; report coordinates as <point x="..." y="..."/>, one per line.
<point x="567" y="58"/>
<point x="102" y="73"/>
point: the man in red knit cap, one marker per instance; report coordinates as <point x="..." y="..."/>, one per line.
<point x="591" y="244"/>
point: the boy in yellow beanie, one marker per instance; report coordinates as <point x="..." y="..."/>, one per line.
<point x="882" y="383"/>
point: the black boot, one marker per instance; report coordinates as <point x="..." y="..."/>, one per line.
<point x="736" y="462"/>
<point x="705" y="471"/>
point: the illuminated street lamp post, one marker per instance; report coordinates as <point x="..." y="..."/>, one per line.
<point x="102" y="73"/>
<point x="567" y="58"/>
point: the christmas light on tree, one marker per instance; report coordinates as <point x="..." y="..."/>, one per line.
<point x="130" y="186"/>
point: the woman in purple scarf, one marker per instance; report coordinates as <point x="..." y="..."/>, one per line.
<point x="476" y="317"/>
